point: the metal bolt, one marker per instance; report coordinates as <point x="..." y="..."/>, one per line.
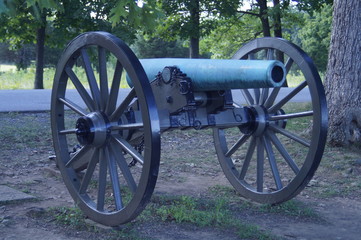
<point x="169" y="99"/>
<point x="238" y="118"/>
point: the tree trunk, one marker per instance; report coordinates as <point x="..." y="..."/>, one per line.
<point x="40" y="45"/>
<point x="194" y="48"/>
<point x="264" y="17"/>
<point x="277" y="19"/>
<point x="277" y="26"/>
<point x="194" y="22"/>
<point x="343" y="78"/>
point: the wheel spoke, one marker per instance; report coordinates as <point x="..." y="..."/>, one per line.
<point x="247" y="95"/>
<point x="260" y="164"/>
<point x="272" y="162"/>
<point x="89" y="172"/>
<point x="129" y="126"/>
<point x="272" y="97"/>
<point x="102" y="181"/>
<point x="289" y="135"/>
<point x="291" y="115"/>
<point x="68" y="131"/>
<point x="238" y="144"/>
<point x="80" y="88"/>
<point x="113" y="96"/>
<point x="119" y="158"/>
<point x="288" y="65"/>
<point x="91" y="78"/>
<point x="123" y="106"/>
<point x="114" y="178"/>
<point x="283" y="151"/>
<point x="270" y="54"/>
<point x="264" y="95"/>
<point x="79" y="157"/>
<point x="282" y="102"/>
<point x="257" y="95"/>
<point x="248" y="158"/>
<point x="73" y="106"/>
<point x="103" y="78"/>
<point x="129" y="149"/>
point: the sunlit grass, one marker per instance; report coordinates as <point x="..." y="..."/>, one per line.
<point x="7" y="67"/>
<point x="23" y="79"/>
<point x="11" y="79"/>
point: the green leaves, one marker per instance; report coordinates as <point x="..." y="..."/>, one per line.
<point x="44" y="4"/>
<point x="135" y="13"/>
<point x="316" y="34"/>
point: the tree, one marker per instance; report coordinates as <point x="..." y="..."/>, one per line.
<point x="315" y="36"/>
<point x="157" y="48"/>
<point x="193" y="19"/>
<point x="229" y="36"/>
<point x="25" y="22"/>
<point x="259" y="19"/>
<point x="37" y="21"/>
<point x="343" y="78"/>
<point x="271" y="17"/>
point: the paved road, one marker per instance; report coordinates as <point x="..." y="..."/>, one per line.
<point x="39" y="100"/>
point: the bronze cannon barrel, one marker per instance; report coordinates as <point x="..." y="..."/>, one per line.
<point x="219" y="74"/>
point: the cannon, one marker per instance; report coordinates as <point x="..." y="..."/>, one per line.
<point x="268" y="146"/>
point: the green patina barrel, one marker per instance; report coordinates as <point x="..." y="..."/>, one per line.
<point x="216" y="74"/>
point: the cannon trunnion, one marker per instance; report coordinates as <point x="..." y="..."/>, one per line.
<point x="268" y="146"/>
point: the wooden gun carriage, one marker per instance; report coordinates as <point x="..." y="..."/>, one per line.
<point x="112" y="174"/>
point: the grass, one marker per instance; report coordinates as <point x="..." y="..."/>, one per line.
<point x="200" y="212"/>
<point x="72" y="217"/>
<point x="22" y="132"/>
<point x="292" y="208"/>
<point x="24" y="79"/>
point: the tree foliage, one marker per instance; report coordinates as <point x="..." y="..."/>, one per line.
<point x="158" y="48"/>
<point x="315" y="36"/>
<point x="57" y="21"/>
<point x="191" y="20"/>
<point x="231" y="33"/>
<point x="140" y="14"/>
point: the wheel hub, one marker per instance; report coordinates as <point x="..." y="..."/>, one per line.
<point x="260" y="116"/>
<point x="93" y="129"/>
<point x="259" y="120"/>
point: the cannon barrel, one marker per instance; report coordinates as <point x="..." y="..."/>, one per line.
<point x="217" y="74"/>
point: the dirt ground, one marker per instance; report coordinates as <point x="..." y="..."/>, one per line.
<point x="334" y="194"/>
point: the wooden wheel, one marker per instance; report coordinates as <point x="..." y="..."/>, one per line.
<point x="274" y="158"/>
<point x="108" y="145"/>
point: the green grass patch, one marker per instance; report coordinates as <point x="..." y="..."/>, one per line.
<point x="74" y="218"/>
<point x="202" y="213"/>
<point x="71" y="216"/>
<point x="290" y="208"/>
<point x="24" y="79"/>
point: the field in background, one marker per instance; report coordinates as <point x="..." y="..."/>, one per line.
<point x="10" y="78"/>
